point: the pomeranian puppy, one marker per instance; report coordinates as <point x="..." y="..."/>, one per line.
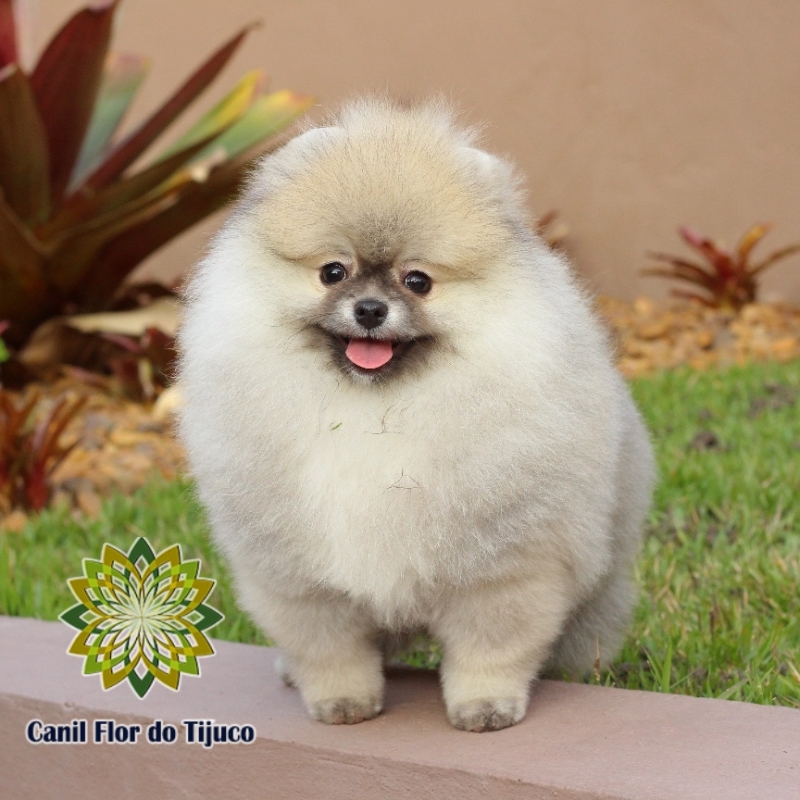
<point x="402" y="415"/>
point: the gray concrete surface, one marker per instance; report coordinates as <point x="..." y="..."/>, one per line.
<point x="576" y="742"/>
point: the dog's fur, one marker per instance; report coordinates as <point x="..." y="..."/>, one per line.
<point x="487" y="486"/>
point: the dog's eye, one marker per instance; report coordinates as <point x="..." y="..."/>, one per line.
<point x="333" y="273"/>
<point x="418" y="282"/>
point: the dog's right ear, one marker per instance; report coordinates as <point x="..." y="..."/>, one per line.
<point x="311" y="141"/>
<point x="276" y="168"/>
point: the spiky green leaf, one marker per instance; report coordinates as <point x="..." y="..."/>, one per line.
<point x="268" y="115"/>
<point x="223" y="114"/>
<point x="122" y="77"/>
<point x="4" y="354"/>
<point x="140" y="139"/>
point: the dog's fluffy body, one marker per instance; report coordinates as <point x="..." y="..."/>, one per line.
<point x="488" y="486"/>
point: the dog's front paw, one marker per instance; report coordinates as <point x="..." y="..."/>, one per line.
<point x="345" y="710"/>
<point x="487" y="714"/>
<point x="284" y="670"/>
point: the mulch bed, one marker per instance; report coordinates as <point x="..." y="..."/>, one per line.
<point x="121" y="443"/>
<point x="653" y="336"/>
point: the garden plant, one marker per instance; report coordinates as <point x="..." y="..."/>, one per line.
<point x="77" y="213"/>
<point x="727" y="279"/>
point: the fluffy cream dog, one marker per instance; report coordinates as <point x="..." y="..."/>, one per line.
<point x="402" y="415"/>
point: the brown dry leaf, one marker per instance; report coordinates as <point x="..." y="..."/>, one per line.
<point x="89" y="502"/>
<point x="124" y="438"/>
<point x="650" y="336"/>
<point x="644" y="306"/>
<point x="61" y="499"/>
<point x="163" y="313"/>
<point x="705" y="338"/>
<point x="653" y="330"/>
<point x="786" y="346"/>
<point x="14" y="522"/>
<point x="168" y="402"/>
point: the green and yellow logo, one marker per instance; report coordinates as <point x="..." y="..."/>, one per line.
<point x="141" y="617"/>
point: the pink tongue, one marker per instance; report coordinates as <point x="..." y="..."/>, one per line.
<point x="369" y="353"/>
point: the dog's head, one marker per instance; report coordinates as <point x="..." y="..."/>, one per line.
<point x="384" y="233"/>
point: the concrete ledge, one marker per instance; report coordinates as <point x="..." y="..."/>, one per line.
<point x="577" y="741"/>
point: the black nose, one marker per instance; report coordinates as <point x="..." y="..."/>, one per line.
<point x="371" y="313"/>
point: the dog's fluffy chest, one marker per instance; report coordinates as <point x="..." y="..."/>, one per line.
<point x="389" y="499"/>
<point x="393" y="495"/>
<point x="380" y="482"/>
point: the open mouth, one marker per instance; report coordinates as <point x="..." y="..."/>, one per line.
<point x="376" y="358"/>
<point x="372" y="354"/>
<point x="369" y="353"/>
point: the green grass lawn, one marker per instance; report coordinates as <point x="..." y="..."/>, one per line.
<point x="720" y="602"/>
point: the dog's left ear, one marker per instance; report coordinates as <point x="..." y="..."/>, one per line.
<point x="488" y="165"/>
<point x="499" y="177"/>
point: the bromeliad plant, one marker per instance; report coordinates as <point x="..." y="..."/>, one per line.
<point x="145" y="366"/>
<point x="31" y="448"/>
<point x="3" y="349"/>
<point x="551" y="229"/>
<point x="729" y="279"/>
<point x="75" y="219"/>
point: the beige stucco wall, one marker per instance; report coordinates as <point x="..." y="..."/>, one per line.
<point x="629" y="116"/>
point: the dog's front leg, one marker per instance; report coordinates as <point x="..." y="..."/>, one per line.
<point x="331" y="653"/>
<point x="495" y="638"/>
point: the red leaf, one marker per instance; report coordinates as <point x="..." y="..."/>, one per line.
<point x="66" y="81"/>
<point x="29" y="454"/>
<point x="139" y="140"/>
<point x="691" y="296"/>
<point x="685" y="268"/>
<point x="57" y="422"/>
<point x="25" y="297"/>
<point x="784" y="252"/>
<point x="8" y="34"/>
<point x="717" y="256"/>
<point x="60" y="456"/>
<point x="126" y="370"/>
<point x="74" y="256"/>
<point x="37" y="492"/>
<point x="125" y="342"/>
<point x="680" y="274"/>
